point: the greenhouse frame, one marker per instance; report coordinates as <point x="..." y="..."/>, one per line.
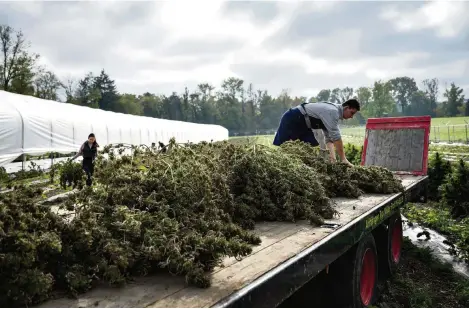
<point x="33" y="126"/>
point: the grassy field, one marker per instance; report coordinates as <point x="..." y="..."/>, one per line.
<point x="450" y="129"/>
<point x="444" y="133"/>
<point x="267" y="140"/>
<point x="449" y="121"/>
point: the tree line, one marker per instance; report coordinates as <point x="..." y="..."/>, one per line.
<point x="236" y="104"/>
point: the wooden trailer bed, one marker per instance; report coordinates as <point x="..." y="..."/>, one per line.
<point x="280" y="242"/>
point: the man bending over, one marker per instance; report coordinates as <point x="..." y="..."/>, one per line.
<point x="300" y="122"/>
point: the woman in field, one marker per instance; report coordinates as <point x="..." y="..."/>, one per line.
<point x="89" y="151"/>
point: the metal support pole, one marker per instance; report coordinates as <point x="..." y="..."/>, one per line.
<point x="23" y="163"/>
<point x="466" y="133"/>
<point x="107" y="135"/>
<point x="51" y="145"/>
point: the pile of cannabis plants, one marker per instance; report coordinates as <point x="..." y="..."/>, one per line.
<point x="178" y="209"/>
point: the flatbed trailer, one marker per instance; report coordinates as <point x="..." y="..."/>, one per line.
<point x="366" y="238"/>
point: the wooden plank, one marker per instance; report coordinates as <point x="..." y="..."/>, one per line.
<point x="417" y="149"/>
<point x="370" y="151"/>
<point x="280" y="241"/>
<point x="241" y="274"/>
<point x="381" y="151"/>
<point x="402" y="162"/>
<point x="397" y="150"/>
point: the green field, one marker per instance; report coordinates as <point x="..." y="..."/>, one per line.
<point x="461" y="151"/>
<point x="267" y="140"/>
<point x="444" y="133"/>
<point x="449" y="129"/>
<point x="449" y="121"/>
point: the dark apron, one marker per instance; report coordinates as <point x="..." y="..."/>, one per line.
<point x="89" y="154"/>
<point x="88" y="167"/>
<point x="294" y="126"/>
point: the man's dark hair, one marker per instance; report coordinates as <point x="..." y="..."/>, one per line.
<point x="91" y="135"/>
<point x="352" y="103"/>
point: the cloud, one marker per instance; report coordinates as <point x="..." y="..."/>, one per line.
<point x="445" y="18"/>
<point x="302" y="46"/>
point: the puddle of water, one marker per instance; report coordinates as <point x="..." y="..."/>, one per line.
<point x="436" y="245"/>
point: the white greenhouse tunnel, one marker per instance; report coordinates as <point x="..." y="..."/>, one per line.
<point x="34" y="126"/>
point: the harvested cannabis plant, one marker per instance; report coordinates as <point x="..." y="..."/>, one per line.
<point x="181" y="209"/>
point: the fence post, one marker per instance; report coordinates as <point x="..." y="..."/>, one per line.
<point x="466" y="133"/>
<point x="449" y="139"/>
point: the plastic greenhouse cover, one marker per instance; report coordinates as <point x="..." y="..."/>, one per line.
<point x="34" y="126"/>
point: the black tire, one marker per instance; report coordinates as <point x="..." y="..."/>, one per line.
<point x="386" y="236"/>
<point x="394" y="243"/>
<point x="365" y="273"/>
<point x="346" y="283"/>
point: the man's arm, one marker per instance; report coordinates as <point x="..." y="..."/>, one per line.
<point x="333" y="136"/>
<point x="340" y="150"/>
<point x="330" y="147"/>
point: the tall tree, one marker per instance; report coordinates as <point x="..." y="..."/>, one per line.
<point x="86" y="94"/>
<point x="420" y="104"/>
<point x="335" y="96"/>
<point x="324" y="95"/>
<point x="229" y="103"/>
<point x="345" y="94"/>
<point x="402" y="90"/>
<point x="208" y="110"/>
<point x="251" y="108"/>
<point x="128" y="104"/>
<point x="107" y="90"/>
<point x="431" y="90"/>
<point x="152" y="105"/>
<point x="17" y="65"/>
<point x="364" y="96"/>
<point x="46" y="85"/>
<point x="69" y="86"/>
<point x="383" y="102"/>
<point x="454" y="100"/>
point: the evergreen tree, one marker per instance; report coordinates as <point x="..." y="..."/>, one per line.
<point x="454" y="100"/>
<point x="456" y="191"/>
<point x="438" y="170"/>
<point x="108" y="95"/>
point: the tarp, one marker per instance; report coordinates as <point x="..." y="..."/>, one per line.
<point x="34" y="126"/>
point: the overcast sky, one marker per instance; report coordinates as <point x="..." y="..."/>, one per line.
<point x="163" y="46"/>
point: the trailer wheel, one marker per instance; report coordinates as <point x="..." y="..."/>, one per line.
<point x="389" y="240"/>
<point x="394" y="242"/>
<point x="354" y="276"/>
<point x="365" y="273"/>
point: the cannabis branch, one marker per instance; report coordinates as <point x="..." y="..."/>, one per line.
<point x="182" y="210"/>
